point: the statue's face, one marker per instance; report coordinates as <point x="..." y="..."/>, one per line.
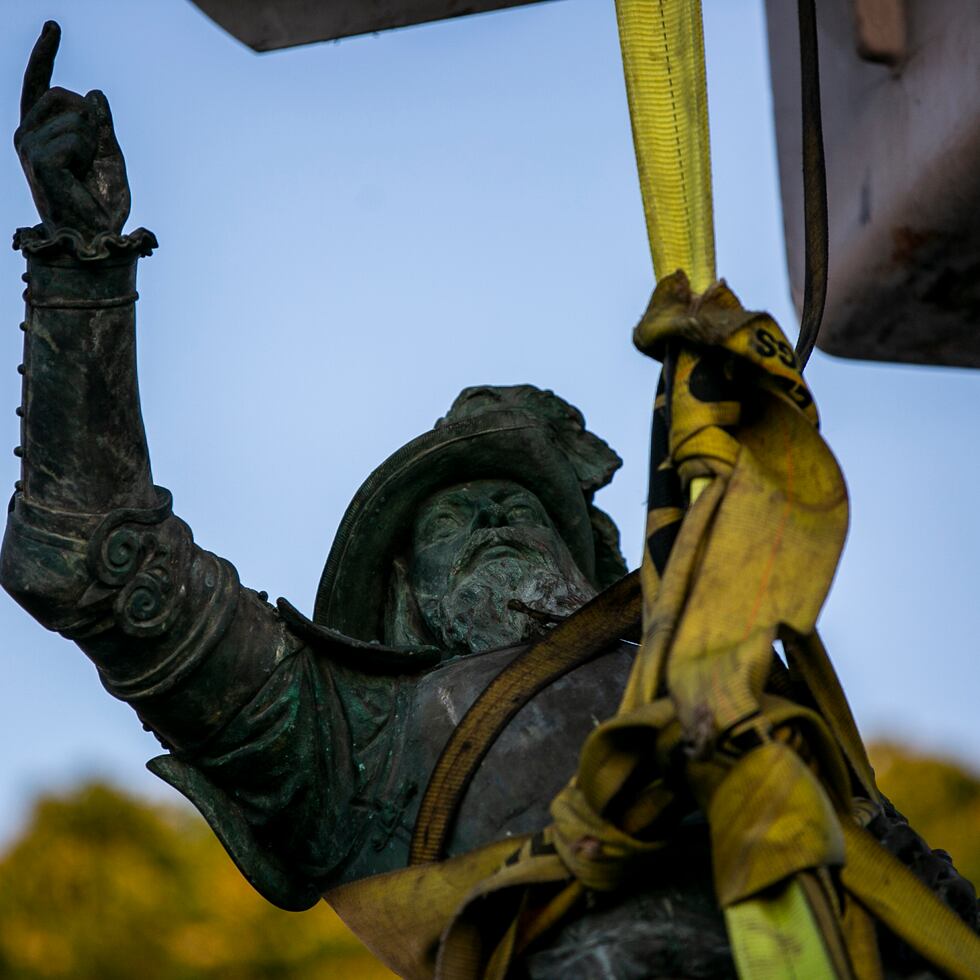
<point x="479" y="547"/>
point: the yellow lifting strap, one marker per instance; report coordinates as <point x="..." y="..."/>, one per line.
<point x="663" y="60"/>
<point x="791" y="929"/>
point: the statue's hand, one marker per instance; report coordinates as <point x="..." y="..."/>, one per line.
<point x="68" y="150"/>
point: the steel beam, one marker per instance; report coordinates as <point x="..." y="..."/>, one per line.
<point x="265" y="25"/>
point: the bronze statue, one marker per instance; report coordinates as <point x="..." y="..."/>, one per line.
<point x="305" y="743"/>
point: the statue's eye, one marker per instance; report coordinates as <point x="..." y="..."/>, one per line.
<point x="445" y="524"/>
<point x="521" y="513"/>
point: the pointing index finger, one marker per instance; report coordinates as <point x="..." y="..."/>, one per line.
<point x="37" y="78"/>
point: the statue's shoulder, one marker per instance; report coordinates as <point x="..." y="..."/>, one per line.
<point x="370" y="657"/>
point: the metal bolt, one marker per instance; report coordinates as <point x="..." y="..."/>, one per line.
<point x="20" y="369"/>
<point x="19" y="451"/>
<point x="19" y="412"/>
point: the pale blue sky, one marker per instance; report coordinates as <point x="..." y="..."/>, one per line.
<point x="352" y="232"/>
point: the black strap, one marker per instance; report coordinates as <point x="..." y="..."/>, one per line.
<point x="814" y="186"/>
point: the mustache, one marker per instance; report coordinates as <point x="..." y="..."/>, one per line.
<point x="488" y="537"/>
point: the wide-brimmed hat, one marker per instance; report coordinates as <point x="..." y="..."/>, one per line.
<point x="518" y="433"/>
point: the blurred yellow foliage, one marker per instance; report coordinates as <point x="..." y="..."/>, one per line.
<point x="940" y="798"/>
<point x="103" y="886"/>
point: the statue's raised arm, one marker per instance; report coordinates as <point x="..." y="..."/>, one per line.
<point x="93" y="551"/>
<point x="81" y="284"/>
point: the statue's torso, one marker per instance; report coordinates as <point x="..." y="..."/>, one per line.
<point x="666" y="925"/>
<point x="531" y="760"/>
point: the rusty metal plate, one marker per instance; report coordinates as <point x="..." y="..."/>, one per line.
<point x="266" y="25"/>
<point x="903" y="174"/>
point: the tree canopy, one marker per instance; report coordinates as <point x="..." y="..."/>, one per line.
<point x="104" y="886"/>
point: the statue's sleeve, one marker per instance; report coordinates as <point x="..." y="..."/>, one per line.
<point x="253" y="724"/>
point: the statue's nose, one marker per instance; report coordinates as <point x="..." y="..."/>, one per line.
<point x="490" y="515"/>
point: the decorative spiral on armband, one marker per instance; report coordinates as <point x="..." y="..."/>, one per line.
<point x="119" y="555"/>
<point x="132" y="555"/>
<point x="145" y="604"/>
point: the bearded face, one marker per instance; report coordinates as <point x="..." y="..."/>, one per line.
<point x="488" y="568"/>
